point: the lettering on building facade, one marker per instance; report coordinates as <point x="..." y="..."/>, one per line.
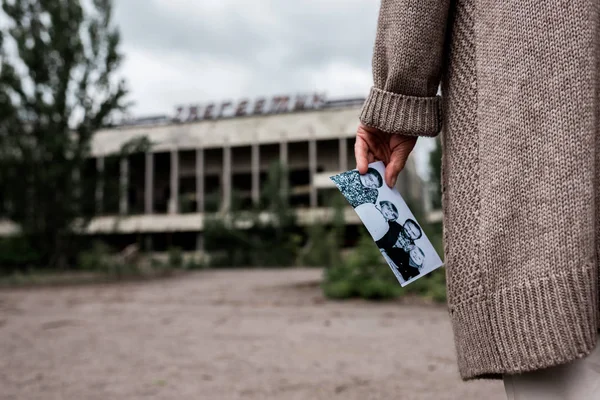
<point x="247" y="107"/>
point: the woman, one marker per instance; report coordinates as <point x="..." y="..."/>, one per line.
<point x="520" y="189"/>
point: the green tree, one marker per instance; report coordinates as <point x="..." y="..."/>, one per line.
<point x="363" y="273"/>
<point x="275" y="240"/>
<point x="265" y="235"/>
<point x="326" y="240"/>
<point x="57" y="87"/>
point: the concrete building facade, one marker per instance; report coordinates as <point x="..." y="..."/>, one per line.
<point x="197" y="168"/>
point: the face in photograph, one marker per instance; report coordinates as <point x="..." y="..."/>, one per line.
<point x="389" y="210"/>
<point x="372" y="179"/>
<point x="412" y="230"/>
<point x="359" y="189"/>
<point x="417" y="256"/>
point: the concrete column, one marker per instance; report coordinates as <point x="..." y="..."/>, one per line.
<point x="100" y="185"/>
<point x="343" y="154"/>
<point x="77" y="187"/>
<point x="124" y="189"/>
<point x="283" y="160"/>
<point x="255" y="166"/>
<point x="200" y="180"/>
<point x="226" y="179"/>
<point x="312" y="167"/>
<point x="174" y="200"/>
<point x="283" y="153"/>
<point x="199" y="242"/>
<point x="148" y="243"/>
<point x="149" y="184"/>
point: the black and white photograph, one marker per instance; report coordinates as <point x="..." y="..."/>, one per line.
<point x="389" y="221"/>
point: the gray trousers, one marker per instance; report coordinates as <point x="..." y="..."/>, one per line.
<point x="579" y="380"/>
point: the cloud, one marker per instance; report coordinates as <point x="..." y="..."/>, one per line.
<point x="197" y="51"/>
<point x="180" y="51"/>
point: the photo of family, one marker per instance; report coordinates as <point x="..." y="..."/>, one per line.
<point x="390" y="223"/>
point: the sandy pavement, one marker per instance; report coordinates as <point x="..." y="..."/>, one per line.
<point x="249" y="334"/>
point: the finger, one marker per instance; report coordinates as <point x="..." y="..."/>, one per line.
<point x="401" y="146"/>
<point x="361" y="153"/>
<point x="371" y="158"/>
<point x="393" y="168"/>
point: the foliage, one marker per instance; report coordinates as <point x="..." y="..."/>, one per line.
<point x="194" y="262"/>
<point x="175" y="257"/>
<point x="95" y="259"/>
<point x="436" y="234"/>
<point x="363" y="274"/>
<point x="432" y="286"/>
<point x="318" y="248"/>
<point x="264" y="236"/>
<point x="338" y="228"/>
<point x="324" y="244"/>
<point x="435" y="174"/>
<point x="16" y="253"/>
<point x="56" y="90"/>
<point x="102" y="259"/>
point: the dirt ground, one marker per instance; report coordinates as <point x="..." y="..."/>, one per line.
<point x="249" y="334"/>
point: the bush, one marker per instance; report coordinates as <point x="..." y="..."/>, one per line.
<point x="339" y="289"/>
<point x="259" y="242"/>
<point x="227" y="246"/>
<point x="16" y="254"/>
<point x="363" y="274"/>
<point x="194" y="263"/>
<point x="324" y="244"/>
<point x="432" y="286"/>
<point x="96" y="259"/>
<point x="102" y="259"/>
<point x="318" y="248"/>
<point x="378" y="289"/>
<point x="271" y="246"/>
<point x="175" y="257"/>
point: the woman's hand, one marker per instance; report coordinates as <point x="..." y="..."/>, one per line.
<point x="375" y="145"/>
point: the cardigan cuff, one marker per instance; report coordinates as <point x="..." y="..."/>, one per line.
<point x="405" y="115"/>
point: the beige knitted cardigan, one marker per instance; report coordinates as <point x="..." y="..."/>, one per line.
<point x="521" y="145"/>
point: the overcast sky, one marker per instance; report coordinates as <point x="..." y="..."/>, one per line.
<point x="196" y="51"/>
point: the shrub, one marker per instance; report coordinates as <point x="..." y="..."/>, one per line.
<point x="175" y="257"/>
<point x="227" y="246"/>
<point x="324" y="244"/>
<point x="378" y="289"/>
<point x="16" y="254"/>
<point x="259" y="242"/>
<point x="363" y="274"/>
<point x="194" y="263"/>
<point x="339" y="289"/>
<point x="432" y="286"/>
<point x="316" y="252"/>
<point x="102" y="259"/>
<point x="96" y="259"/>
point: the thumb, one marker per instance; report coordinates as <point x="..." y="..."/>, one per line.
<point x="361" y="151"/>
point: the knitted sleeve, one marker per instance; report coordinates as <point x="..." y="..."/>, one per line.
<point x="407" y="64"/>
